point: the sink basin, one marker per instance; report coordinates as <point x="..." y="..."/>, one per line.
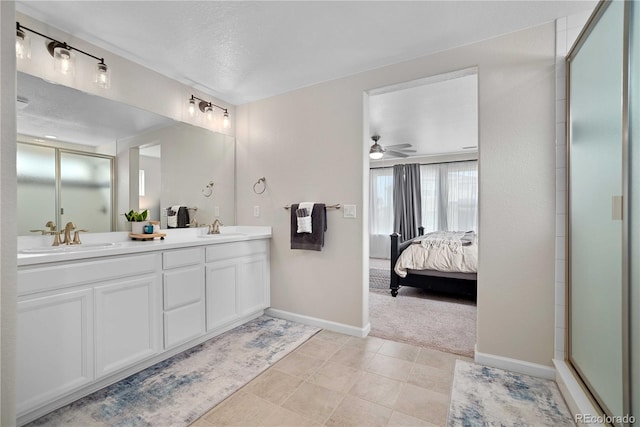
<point x="67" y="248"/>
<point x="221" y="235"/>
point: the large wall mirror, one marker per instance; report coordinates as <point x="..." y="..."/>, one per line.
<point x="81" y="158"/>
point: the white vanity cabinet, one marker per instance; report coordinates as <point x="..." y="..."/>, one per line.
<point x="86" y="322"/>
<point x="183" y="295"/>
<point x="237" y="281"/>
<point x="127" y="316"/>
<point x="54" y="346"/>
<point x="80" y="321"/>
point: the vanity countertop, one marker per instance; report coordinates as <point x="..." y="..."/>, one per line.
<point x="33" y="250"/>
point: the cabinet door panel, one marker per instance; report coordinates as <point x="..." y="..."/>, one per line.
<point x="128" y="319"/>
<point x="183" y="286"/>
<point x="221" y="279"/>
<point x="183" y="324"/>
<point x="252" y="284"/>
<point x="54" y="346"/>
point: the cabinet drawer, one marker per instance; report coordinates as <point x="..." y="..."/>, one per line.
<point x="85" y="272"/>
<point x="181" y="258"/>
<point x="236" y="249"/>
<point x="183" y="324"/>
<point x="183" y="286"/>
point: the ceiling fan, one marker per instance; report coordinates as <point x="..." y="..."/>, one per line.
<point x="398" y="150"/>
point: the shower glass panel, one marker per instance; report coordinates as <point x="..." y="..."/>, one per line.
<point x="85" y="191"/>
<point x="36" y="204"/>
<point x="596" y="251"/>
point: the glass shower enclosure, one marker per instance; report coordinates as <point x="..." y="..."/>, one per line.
<point x="604" y="209"/>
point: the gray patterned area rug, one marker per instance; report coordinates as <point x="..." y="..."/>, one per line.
<point x="484" y="396"/>
<point x="177" y="391"/>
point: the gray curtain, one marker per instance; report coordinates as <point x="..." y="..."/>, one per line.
<point x="407" y="204"/>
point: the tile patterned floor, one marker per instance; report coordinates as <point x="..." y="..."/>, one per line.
<point x="338" y="380"/>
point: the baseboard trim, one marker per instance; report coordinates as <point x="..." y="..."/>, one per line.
<point x="515" y="365"/>
<point x="320" y="323"/>
<point x="576" y="398"/>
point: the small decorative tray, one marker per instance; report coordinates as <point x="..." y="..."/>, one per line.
<point x="146" y="236"/>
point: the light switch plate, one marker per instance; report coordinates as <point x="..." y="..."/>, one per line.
<point x="349" y="211"/>
<point x="216" y="211"/>
<point x="256" y="211"/>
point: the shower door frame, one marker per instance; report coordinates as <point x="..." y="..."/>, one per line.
<point x="625" y="172"/>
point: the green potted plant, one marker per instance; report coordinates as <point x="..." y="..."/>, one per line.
<point x="138" y="220"/>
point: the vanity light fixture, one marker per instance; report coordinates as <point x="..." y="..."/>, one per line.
<point x="23" y="43"/>
<point x="63" y="55"/>
<point x="207" y="108"/>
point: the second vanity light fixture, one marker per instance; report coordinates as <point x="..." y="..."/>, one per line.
<point x="63" y="57"/>
<point x="207" y="108"/>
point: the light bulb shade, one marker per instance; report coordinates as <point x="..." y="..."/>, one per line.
<point x="23" y="45"/>
<point x="102" y="76"/>
<point x="192" y="107"/>
<point x="208" y="112"/>
<point x="376" y="152"/>
<point x="63" y="60"/>
<point x="225" y="120"/>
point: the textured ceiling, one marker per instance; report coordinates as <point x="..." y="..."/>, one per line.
<point x="243" y="51"/>
<point x="438" y="115"/>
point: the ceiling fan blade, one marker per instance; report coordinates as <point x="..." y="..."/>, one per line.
<point x="404" y="150"/>
<point x="396" y="153"/>
<point x="398" y="146"/>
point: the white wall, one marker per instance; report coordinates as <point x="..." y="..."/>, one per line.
<point x="152" y="178"/>
<point x="310" y="144"/>
<point x="7" y="214"/>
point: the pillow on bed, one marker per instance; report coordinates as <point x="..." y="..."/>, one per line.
<point x="469" y="238"/>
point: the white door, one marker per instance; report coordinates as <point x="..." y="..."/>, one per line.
<point x="128" y="319"/>
<point x="54" y="346"/>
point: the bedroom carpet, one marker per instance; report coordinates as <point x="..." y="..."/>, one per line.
<point x="419" y="318"/>
<point x="177" y="391"/>
<point x="484" y="396"/>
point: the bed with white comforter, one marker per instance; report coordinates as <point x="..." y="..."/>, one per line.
<point x="442" y="251"/>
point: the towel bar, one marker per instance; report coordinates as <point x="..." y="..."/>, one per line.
<point x="336" y="206"/>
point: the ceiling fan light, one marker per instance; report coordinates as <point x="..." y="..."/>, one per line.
<point x="376" y="152"/>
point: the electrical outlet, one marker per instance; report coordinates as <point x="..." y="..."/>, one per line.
<point x="256" y="211"/>
<point x="349" y="211"/>
<point x="216" y="211"/>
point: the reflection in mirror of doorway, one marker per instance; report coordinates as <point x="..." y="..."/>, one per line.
<point x="149" y="184"/>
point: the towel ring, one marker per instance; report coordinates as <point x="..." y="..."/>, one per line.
<point x="262" y="180"/>
<point x="208" y="190"/>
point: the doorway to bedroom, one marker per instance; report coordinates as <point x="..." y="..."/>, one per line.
<point x="423" y="189"/>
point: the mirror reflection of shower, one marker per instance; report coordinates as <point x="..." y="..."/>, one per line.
<point x="149" y="180"/>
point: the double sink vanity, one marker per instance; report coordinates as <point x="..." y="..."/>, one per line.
<point x="94" y="313"/>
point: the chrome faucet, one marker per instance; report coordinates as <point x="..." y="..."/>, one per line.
<point x="215" y="227"/>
